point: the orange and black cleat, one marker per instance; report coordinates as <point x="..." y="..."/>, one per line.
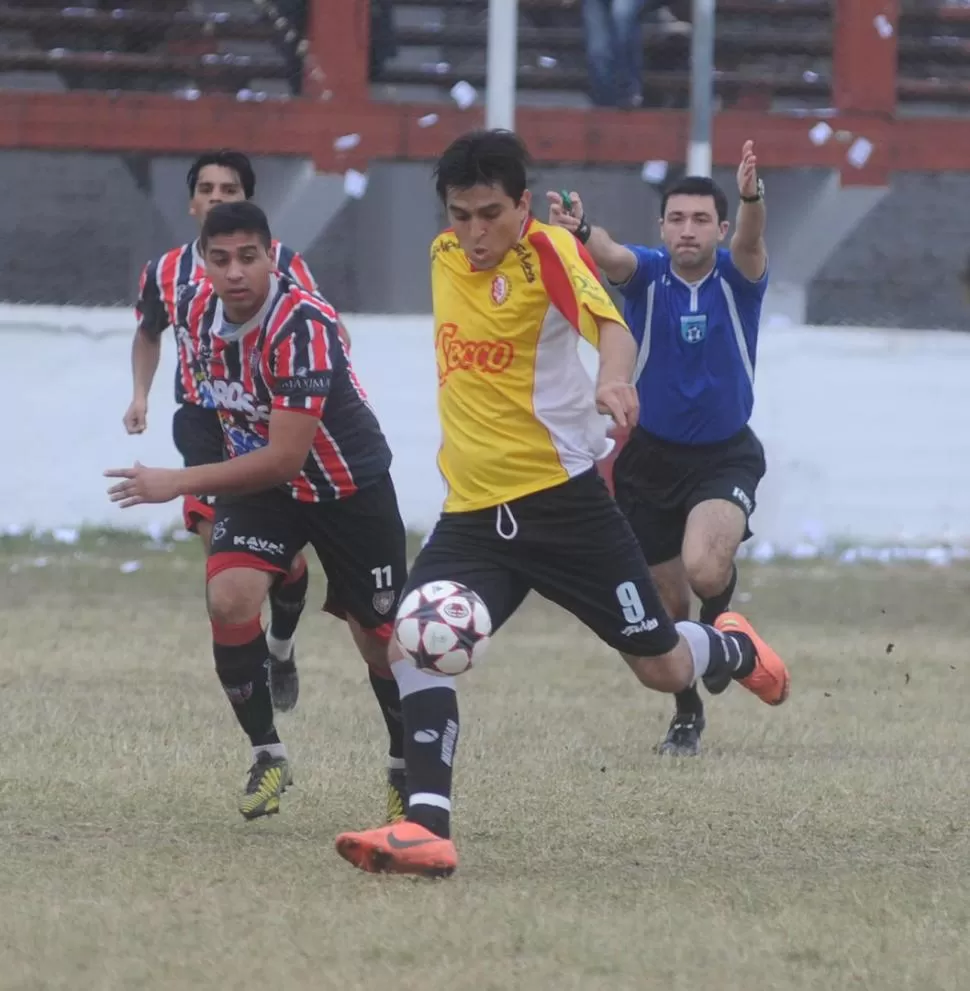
<point x="770" y="680"/>
<point x="401" y="848"/>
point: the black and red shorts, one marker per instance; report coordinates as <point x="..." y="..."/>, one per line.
<point x="197" y="434"/>
<point x="360" y="541"/>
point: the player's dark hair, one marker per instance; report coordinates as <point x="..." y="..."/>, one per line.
<point x="227" y="159"/>
<point x="697" y="185"/>
<point x="490" y="158"/>
<point x="236" y="218"/>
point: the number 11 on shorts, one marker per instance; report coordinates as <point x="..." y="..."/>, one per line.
<point x="383" y="577"/>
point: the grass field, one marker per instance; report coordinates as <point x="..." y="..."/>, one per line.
<point x="823" y="845"/>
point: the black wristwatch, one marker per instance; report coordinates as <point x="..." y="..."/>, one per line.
<point x="758" y="197"/>
<point x="584" y="230"/>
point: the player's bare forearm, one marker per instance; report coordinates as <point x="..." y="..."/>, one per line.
<point x="256" y="471"/>
<point x="146" y="350"/>
<point x="748" y="249"/>
<point x="618" y="353"/>
<point x="291" y="435"/>
<point x="617" y="262"/>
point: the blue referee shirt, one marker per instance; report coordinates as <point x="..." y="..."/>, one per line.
<point x="698" y="344"/>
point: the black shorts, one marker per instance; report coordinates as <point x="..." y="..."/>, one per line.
<point x="360" y="541"/>
<point x="572" y="545"/>
<point x="197" y="434"/>
<point x="657" y="484"/>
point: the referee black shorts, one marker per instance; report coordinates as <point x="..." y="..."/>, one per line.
<point x="572" y="545"/>
<point x="657" y="484"/>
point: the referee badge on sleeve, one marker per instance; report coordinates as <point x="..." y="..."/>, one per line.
<point x="693" y="327"/>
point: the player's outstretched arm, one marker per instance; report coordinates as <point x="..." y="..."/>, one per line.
<point x="615" y="392"/>
<point x="617" y="262"/>
<point x="281" y="460"/>
<point x="748" y="249"/>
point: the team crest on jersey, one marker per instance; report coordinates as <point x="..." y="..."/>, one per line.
<point x="500" y="290"/>
<point x="693" y="327"/>
<point x="383" y="602"/>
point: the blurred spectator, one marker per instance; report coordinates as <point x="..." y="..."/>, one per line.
<point x="614" y="47"/>
<point x="383" y="44"/>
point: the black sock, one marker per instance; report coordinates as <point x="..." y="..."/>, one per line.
<point x="713" y="607"/>
<point x="241" y="654"/>
<point x="389" y="699"/>
<point x="287" y="597"/>
<point x="732" y="654"/>
<point x="689" y="702"/>
<point x="430" y="738"/>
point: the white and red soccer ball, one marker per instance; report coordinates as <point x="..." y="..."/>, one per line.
<point x="444" y="627"/>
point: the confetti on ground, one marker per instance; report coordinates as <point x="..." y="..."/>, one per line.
<point x="129" y="567"/>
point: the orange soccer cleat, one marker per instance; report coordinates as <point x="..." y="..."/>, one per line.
<point x="770" y="680"/>
<point x="401" y="848"/>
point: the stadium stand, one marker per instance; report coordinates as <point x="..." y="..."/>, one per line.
<point x="770" y="54"/>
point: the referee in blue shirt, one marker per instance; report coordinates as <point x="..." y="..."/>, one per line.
<point x="688" y="474"/>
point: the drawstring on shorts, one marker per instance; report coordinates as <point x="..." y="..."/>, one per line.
<point x="510" y="535"/>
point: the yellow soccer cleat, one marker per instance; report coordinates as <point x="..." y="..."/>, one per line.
<point x="269" y="777"/>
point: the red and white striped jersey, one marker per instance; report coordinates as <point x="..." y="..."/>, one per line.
<point x="289" y="356"/>
<point x="159" y="289"/>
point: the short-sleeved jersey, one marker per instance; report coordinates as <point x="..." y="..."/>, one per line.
<point x="289" y="356"/>
<point x="698" y="346"/>
<point x="517" y="407"/>
<point x="159" y="287"/>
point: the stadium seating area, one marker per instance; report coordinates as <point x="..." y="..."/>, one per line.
<point x="771" y="54"/>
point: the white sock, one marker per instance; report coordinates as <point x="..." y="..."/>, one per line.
<point x="410" y="678"/>
<point x="280" y="649"/>
<point x="700" y="645"/>
<point x="275" y="750"/>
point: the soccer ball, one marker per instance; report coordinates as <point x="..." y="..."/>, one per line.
<point x="444" y="627"/>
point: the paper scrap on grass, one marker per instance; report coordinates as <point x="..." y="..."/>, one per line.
<point x="66" y="535"/>
<point x="859" y="152"/>
<point x="130" y="566"/>
<point x="464" y="94"/>
<point x="883" y="27"/>
<point x="654" y="171"/>
<point x="820" y="133"/>
<point x="355" y="184"/>
<point x="346" y="142"/>
<point x="428" y="120"/>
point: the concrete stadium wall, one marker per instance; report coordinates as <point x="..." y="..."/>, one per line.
<point x="78" y="227"/>
<point x="861" y="427"/>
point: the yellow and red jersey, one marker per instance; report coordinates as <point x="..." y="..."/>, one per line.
<point x="516" y="404"/>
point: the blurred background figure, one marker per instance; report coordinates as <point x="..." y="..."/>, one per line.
<point x="614" y="32"/>
<point x="614" y="50"/>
